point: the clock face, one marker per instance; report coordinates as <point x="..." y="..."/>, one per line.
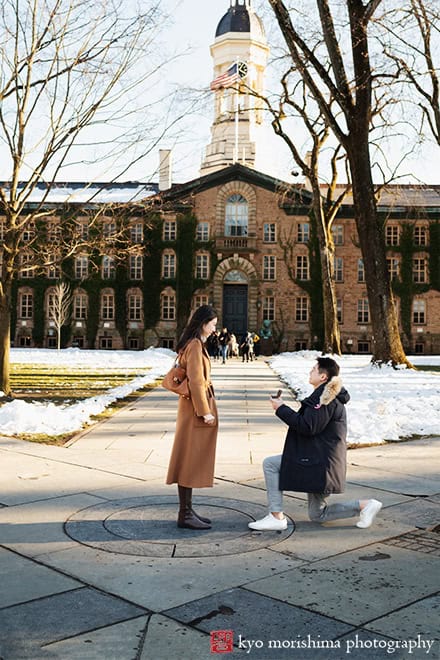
<point x="242" y="69"/>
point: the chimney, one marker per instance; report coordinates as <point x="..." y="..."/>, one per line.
<point x="164" y="169"/>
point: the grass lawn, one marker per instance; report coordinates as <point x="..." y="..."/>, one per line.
<point x="62" y="384"/>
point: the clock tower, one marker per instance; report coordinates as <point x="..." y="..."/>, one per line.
<point x="239" y="53"/>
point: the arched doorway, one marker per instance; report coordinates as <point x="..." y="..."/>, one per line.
<point x="235" y="302"/>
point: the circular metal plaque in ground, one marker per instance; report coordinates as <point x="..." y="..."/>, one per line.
<point x="146" y="526"/>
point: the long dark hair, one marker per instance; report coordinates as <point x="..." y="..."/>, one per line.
<point x="202" y="315"/>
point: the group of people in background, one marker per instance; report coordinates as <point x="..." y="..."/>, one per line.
<point x="223" y="345"/>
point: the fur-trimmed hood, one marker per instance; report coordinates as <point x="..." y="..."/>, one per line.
<point x="328" y="392"/>
<point x="333" y="389"/>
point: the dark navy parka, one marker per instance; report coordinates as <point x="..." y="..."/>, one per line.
<point x="315" y="452"/>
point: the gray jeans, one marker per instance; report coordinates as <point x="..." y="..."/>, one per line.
<point x="319" y="510"/>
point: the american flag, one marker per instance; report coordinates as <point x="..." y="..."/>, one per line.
<point x="231" y="76"/>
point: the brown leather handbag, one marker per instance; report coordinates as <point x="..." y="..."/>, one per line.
<point x="176" y="381"/>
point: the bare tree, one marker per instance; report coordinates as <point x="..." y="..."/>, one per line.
<point x="295" y="101"/>
<point x="415" y="31"/>
<point x="59" y="307"/>
<point x="343" y="92"/>
<point x="70" y="72"/>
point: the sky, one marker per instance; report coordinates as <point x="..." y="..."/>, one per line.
<point x="194" y="26"/>
<point x="386" y="404"/>
<point x="188" y="34"/>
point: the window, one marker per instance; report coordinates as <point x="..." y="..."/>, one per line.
<point x="393" y="266"/>
<point x="202" y="231"/>
<point x="168" y="307"/>
<point x="25" y="258"/>
<point x="361" y="270"/>
<point x="105" y="343"/>
<point x="363" y="314"/>
<point x="108" y="306"/>
<point x="51" y="305"/>
<point x="202" y="266"/>
<point x="167" y="343"/>
<point x="136" y="266"/>
<point x="77" y="341"/>
<point x="302" y="267"/>
<point x="302" y="310"/>
<point x="392" y="235"/>
<point x="108" y="268"/>
<point x="303" y="232"/>
<point x="339" y="269"/>
<point x="53" y="232"/>
<point x="419" y="312"/>
<point x="269" y="308"/>
<point x="54" y="270"/>
<point x="339" y="310"/>
<point x="168" y="265"/>
<point x="135" y="307"/>
<point x="269" y="232"/>
<point x="200" y="300"/>
<point x="421" y="235"/>
<point x="82" y="230"/>
<point x="109" y="229"/>
<point x="80" y="306"/>
<point x="81" y="267"/>
<point x="236" y="216"/>
<point x="28" y="233"/>
<point x="300" y="345"/>
<point x="363" y="346"/>
<point x="419" y="271"/>
<point x="133" y="343"/>
<point x="136" y="232"/>
<point x="169" y="230"/>
<point x="2" y="230"/>
<point x="26" y="305"/>
<point x="269" y="267"/>
<point x="419" y="348"/>
<point x="338" y="234"/>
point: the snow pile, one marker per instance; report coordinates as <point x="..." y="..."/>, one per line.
<point x="19" y="417"/>
<point x="386" y="403"/>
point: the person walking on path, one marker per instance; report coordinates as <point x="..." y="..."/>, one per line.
<point x="224" y="338"/>
<point x="247" y="347"/>
<point x="193" y="455"/>
<point x="314" y="456"/>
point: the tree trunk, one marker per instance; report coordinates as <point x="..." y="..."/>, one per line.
<point x="332" y="337"/>
<point x="5" y="340"/>
<point x="386" y="342"/>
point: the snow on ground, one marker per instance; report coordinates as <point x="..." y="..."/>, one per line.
<point x="19" y="417"/>
<point x="386" y="404"/>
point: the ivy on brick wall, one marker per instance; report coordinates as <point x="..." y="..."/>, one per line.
<point x="185" y="281"/>
<point x="434" y="255"/>
<point x="404" y="286"/>
<point x="313" y="286"/>
<point x="152" y="270"/>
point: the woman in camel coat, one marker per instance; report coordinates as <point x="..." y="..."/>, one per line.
<point x="193" y="454"/>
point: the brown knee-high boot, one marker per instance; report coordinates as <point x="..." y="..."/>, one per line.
<point x="187" y="518"/>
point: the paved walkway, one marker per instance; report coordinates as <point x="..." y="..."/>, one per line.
<point x="93" y="566"/>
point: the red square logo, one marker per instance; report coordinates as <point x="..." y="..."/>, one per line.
<point x="222" y="641"/>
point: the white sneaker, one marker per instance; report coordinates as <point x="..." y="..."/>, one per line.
<point x="368" y="513"/>
<point x="269" y="524"/>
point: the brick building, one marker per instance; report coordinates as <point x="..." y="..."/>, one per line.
<point x="235" y="237"/>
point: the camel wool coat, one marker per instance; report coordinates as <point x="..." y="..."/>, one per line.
<point x="193" y="454"/>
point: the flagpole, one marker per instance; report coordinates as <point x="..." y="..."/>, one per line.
<point x="235" y="159"/>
